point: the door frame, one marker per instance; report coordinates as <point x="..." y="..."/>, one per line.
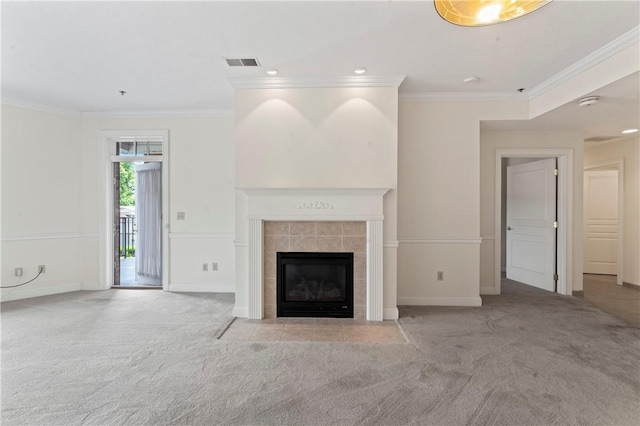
<point x="615" y="164"/>
<point x="108" y="139"/>
<point x="564" y="240"/>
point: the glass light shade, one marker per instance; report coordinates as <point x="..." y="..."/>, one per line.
<point x="475" y="13"/>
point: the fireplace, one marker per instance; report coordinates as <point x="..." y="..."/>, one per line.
<point x="315" y="284"/>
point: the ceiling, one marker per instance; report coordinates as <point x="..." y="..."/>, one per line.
<point x="168" y="56"/>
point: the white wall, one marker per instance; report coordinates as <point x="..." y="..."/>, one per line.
<point x="41" y="192"/>
<point x="489" y="142"/>
<point x="626" y="148"/>
<point x="318" y="138"/>
<point x="439" y="197"/>
<point x="201" y="173"/>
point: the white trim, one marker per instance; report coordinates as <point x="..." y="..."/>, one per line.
<point x="461" y="96"/>
<point x="439" y="301"/>
<point x="18" y="293"/>
<point x="616" y="46"/>
<point x="213" y="235"/>
<point x="488" y="291"/>
<point x="487" y="237"/>
<point x="41" y="108"/>
<point x="442" y="241"/>
<point x="315" y="82"/>
<point x="616" y="164"/>
<point x="57" y="236"/>
<point x="390" y="314"/>
<point x="240" y="312"/>
<point x="202" y="288"/>
<point x="391" y="244"/>
<point x="565" y="212"/>
<point x="196" y="113"/>
<point x="315" y="218"/>
<point x="241" y="243"/>
<point x="315" y="191"/>
<point x="107" y="139"/>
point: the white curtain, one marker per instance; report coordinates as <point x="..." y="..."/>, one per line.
<point x="149" y="223"/>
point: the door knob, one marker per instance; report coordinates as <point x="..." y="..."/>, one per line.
<point x="509" y="228"/>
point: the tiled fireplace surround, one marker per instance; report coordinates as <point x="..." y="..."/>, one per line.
<point x="300" y="219"/>
<point x="300" y="236"/>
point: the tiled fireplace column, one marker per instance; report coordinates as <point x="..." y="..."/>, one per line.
<point x="316" y="205"/>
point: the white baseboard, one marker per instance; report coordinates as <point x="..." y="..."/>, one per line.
<point x="240" y="312"/>
<point x="92" y="286"/>
<point x="19" y="293"/>
<point x="390" y="314"/>
<point x="488" y="291"/>
<point x="202" y="288"/>
<point x="440" y="301"/>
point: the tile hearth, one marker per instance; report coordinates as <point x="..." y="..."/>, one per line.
<point x="314" y="330"/>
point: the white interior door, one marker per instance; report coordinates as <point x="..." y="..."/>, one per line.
<point x="601" y="222"/>
<point x="531" y="213"/>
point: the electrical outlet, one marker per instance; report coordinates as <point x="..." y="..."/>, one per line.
<point x="214" y="266"/>
<point x="440" y="276"/>
<point x="41" y="269"/>
<point x="17" y="272"/>
<point x="182" y="215"/>
<point x="205" y="267"/>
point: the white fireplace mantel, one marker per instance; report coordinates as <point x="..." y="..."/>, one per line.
<point x="316" y="204"/>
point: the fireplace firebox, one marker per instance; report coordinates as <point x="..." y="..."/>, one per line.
<point x="311" y="284"/>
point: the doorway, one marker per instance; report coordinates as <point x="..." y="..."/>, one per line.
<point x="564" y="236"/>
<point x="603" y="219"/>
<point x="134" y="249"/>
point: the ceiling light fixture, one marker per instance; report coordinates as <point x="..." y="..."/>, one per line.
<point x="475" y="13"/>
<point x="272" y="71"/>
<point x="629" y="131"/>
<point x="471" y="80"/>
<point x="360" y="70"/>
<point x="589" y="100"/>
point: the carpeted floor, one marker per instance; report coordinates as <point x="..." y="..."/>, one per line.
<point x="150" y="357"/>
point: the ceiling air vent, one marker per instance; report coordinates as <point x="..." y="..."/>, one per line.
<point x="600" y="138"/>
<point x="242" y="62"/>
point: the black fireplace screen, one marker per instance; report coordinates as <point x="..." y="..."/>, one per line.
<point x="315" y="284"/>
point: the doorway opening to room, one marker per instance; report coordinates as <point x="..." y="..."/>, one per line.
<point x="533" y="223"/>
<point x="136" y="205"/>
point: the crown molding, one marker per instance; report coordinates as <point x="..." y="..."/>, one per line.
<point x="316" y="82"/>
<point x="616" y="46"/>
<point x="40" y="107"/>
<point x="461" y="96"/>
<point x="160" y="113"/>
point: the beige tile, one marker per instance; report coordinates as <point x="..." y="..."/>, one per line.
<point x="357" y="229"/>
<point x="329" y="244"/>
<point x="354" y="244"/>
<point x="360" y="266"/>
<point x="300" y="334"/>
<point x="359" y="292"/>
<point x="303" y="228"/>
<point x="388" y="334"/>
<point x="329" y="228"/>
<point x="270" y="292"/>
<point x="335" y="335"/>
<point x="266" y="334"/>
<point x="275" y="244"/>
<point x="334" y="322"/>
<point x="269" y="265"/>
<point x="302" y="243"/>
<point x="359" y="312"/>
<point x="270" y="311"/>
<point x="358" y="334"/>
<point x="272" y="229"/>
<point x="266" y="325"/>
<point x="300" y="324"/>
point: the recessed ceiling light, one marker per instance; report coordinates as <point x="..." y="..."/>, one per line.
<point x="629" y="131"/>
<point x="360" y="70"/>
<point x="272" y="71"/>
<point x="471" y="80"/>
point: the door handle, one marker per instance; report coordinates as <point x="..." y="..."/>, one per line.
<point x="509" y="228"/>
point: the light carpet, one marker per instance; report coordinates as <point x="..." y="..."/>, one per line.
<point x="150" y="357"/>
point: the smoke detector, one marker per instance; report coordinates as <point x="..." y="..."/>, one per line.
<point x="589" y="100"/>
